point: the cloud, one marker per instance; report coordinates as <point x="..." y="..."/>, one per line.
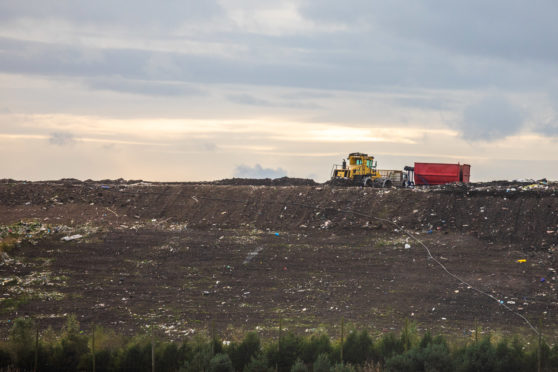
<point x="491" y="119"/>
<point x="141" y="15"/>
<point x="245" y="171"/>
<point x="247" y="99"/>
<point x="61" y="139"/>
<point x="143" y="87"/>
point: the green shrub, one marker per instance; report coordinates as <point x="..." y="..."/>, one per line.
<point x="408" y="335"/>
<point x="5" y="357"/>
<point x="433" y="357"/>
<point x="22" y="342"/>
<point x="509" y="358"/>
<point x="168" y="357"/>
<point x="221" y="363"/>
<point x="314" y="346"/>
<point x="388" y="346"/>
<point x="477" y="357"/>
<point x="322" y="364"/>
<point x="285" y="352"/>
<point x="258" y="363"/>
<point x="198" y="355"/>
<point x="136" y="357"/>
<point x="339" y="367"/>
<point x="243" y="353"/>
<point x="73" y="353"/>
<point x="358" y="347"/>
<point x="299" y="366"/>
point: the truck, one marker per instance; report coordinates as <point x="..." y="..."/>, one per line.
<point x="360" y="171"/>
<point x="440" y="173"/>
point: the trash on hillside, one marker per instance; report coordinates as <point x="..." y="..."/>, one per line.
<point x="326" y="224"/>
<point x="72" y="237"/>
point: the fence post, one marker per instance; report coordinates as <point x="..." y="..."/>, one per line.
<point x="93" y="345"/>
<point x="539" y="354"/>
<point x="476" y="331"/>
<point x="36" y="365"/>
<point x="342" y="335"/>
<point x="279" y="342"/>
<point x="152" y="350"/>
<point x="212" y="337"/>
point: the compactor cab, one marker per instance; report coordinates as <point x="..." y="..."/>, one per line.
<point x="361" y="170"/>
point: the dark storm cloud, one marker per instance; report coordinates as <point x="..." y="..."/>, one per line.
<point x="491" y="119"/>
<point x="61" y="139"/>
<point x="257" y="171"/>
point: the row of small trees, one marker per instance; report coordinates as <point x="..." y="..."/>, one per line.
<point x="102" y="350"/>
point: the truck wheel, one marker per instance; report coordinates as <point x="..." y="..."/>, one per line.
<point x="386" y="183"/>
<point x="368" y="182"/>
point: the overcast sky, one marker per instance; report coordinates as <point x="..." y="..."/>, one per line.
<point x="200" y="90"/>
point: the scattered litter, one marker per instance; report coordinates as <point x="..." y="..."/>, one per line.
<point x="252" y="254"/>
<point x="276" y="234"/>
<point x="521" y="260"/>
<point x="72" y="237"/>
<point x="543" y="280"/>
<point x="407" y="246"/>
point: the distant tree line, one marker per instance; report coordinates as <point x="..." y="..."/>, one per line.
<point x="103" y="350"/>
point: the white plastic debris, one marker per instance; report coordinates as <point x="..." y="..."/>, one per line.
<point x="72" y="237"/>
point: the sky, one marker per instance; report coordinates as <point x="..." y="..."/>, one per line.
<point x="195" y="90"/>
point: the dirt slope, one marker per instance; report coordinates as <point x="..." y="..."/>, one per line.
<point x="184" y="255"/>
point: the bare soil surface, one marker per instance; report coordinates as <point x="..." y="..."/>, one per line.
<point x="240" y="256"/>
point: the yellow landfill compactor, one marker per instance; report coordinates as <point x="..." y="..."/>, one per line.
<point x="360" y="171"/>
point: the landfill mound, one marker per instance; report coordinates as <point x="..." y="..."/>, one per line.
<point x="128" y="254"/>
<point x="283" y="181"/>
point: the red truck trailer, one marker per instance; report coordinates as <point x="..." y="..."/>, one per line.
<point x="441" y="173"/>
